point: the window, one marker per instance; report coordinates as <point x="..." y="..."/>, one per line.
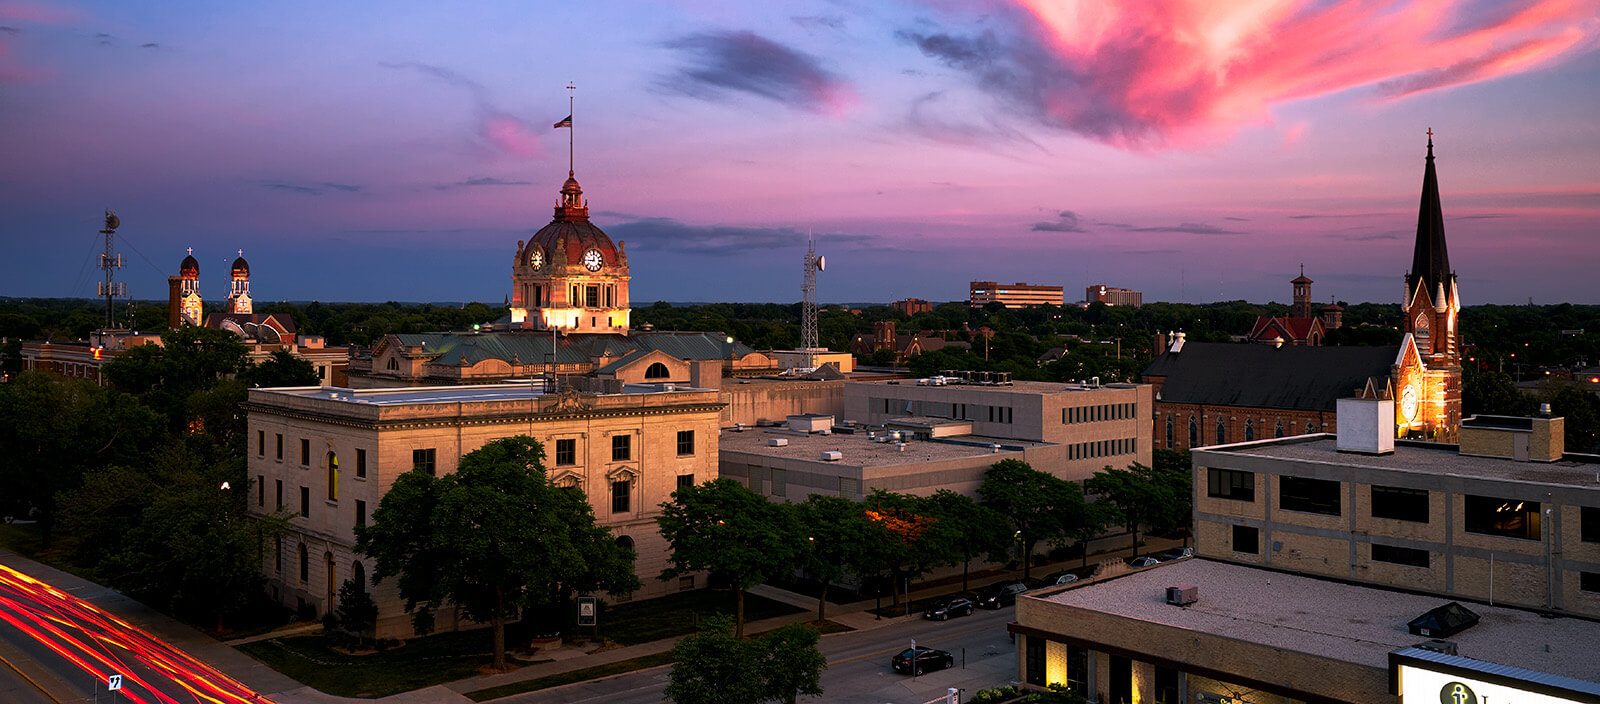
<point x="1399" y="556"/>
<point x="277" y="556"/>
<point x="685" y="442"/>
<point x="1194" y="433"/>
<point x="1508" y="518"/>
<point x="1222" y="433"/>
<point x="1589" y="581"/>
<point x="685" y="481"/>
<point x="1166" y="686"/>
<point x="1169" y="432"/>
<point x="361" y="512"/>
<point x="1277" y="430"/>
<point x="1309" y="495"/>
<point x="621" y="495"/>
<point x="591" y="296"/>
<point x="280" y="494"/>
<point x="261" y="492"/>
<point x="1249" y="429"/>
<point x="1078" y="670"/>
<point x="567" y="451"/>
<point x="361" y="463"/>
<point x="305" y="452"/>
<point x="621" y="448"/>
<point x="1590" y="520"/>
<point x="1230" y="484"/>
<point x="305" y="502"/>
<point x="1035" y="664"/>
<point x="1121" y="684"/>
<point x="1247" y="540"/>
<point x="1400" y="504"/>
<point x="686" y="583"/>
<point x="657" y="370"/>
<point x="393" y="365"/>
<point x="261" y="443"/>
<point x="305" y="564"/>
<point x="280" y="447"/>
<point x="424" y="461"/>
<point x="333" y="477"/>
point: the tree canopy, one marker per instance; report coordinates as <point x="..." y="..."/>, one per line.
<point x="734" y="533"/>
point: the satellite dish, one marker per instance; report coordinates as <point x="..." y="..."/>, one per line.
<point x="822" y="263"/>
<point x="112" y="222"/>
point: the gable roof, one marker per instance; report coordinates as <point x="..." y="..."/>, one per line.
<point x="1261" y="376"/>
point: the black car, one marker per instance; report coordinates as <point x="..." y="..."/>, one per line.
<point x="915" y="661"/>
<point x="1001" y="594"/>
<point x="943" y="609"/>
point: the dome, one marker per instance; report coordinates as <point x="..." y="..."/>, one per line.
<point x="240" y="266"/>
<point x="190" y="266"/>
<point x="571" y="227"/>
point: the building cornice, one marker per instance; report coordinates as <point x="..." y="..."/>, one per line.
<point x="470" y="420"/>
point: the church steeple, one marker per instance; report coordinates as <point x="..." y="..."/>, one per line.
<point x="1430" y="261"/>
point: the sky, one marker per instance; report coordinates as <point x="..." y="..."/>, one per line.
<point x="1193" y="150"/>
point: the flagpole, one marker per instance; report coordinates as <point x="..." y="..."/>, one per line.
<point x="570" y="137"/>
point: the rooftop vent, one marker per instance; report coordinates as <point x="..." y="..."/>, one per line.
<point x="777" y="442"/>
<point x="832" y="456"/>
<point x="1448" y="647"/>
<point x="1184" y="595"/>
<point x="1443" y="622"/>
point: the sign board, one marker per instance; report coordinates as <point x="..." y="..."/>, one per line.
<point x="1209" y="698"/>
<point x="114" y="683"/>
<point x="586" y="611"/>
<point x="1421" y="686"/>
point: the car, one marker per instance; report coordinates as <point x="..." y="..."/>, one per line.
<point x="943" y="609"/>
<point x="917" y="660"/>
<point x="1145" y="561"/>
<point x="1062" y="577"/>
<point x="1001" y="594"/>
<point x="1176" y="553"/>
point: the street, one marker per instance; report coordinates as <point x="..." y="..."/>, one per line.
<point x="858" y="666"/>
<point x="72" y="649"/>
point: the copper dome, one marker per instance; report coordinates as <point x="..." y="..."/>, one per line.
<point x="190" y="266"/>
<point x="240" y="266"/>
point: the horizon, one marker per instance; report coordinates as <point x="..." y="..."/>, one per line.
<point x="1197" y="154"/>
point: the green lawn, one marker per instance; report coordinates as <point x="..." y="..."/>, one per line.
<point x="634" y="622"/>
<point x="420" y="662"/>
<point x="587" y="673"/>
<point x="24" y="539"/>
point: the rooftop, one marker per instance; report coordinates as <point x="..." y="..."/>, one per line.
<point x="1346" y="622"/>
<point x="1037" y="388"/>
<point x="443" y="394"/>
<point x="861" y="451"/>
<point x="1432" y="458"/>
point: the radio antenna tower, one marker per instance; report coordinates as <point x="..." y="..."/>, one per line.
<point x="808" y="306"/>
<point x="111" y="262"/>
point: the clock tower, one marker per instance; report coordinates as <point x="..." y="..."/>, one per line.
<point x="1429" y="396"/>
<point x="570" y="276"/>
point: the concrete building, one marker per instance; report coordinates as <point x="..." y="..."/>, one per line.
<point x="1017" y="295"/>
<point x="1112" y="296"/>
<point x="328" y="456"/>
<point x="912" y="306"/>
<point x="1084" y="428"/>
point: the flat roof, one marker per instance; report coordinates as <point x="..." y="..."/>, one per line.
<point x="1016" y="387"/>
<point x="443" y="394"/>
<point x="1443" y="460"/>
<point x="860" y="451"/>
<point x="1335" y="620"/>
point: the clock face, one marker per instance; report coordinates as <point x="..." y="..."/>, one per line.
<point x="592" y="260"/>
<point x="536" y="258"/>
<point x="1408" y="402"/>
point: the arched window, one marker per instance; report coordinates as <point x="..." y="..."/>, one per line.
<point x="358" y="574"/>
<point x="625" y="542"/>
<point x="394" y="364"/>
<point x="1169" y="432"/>
<point x="333" y="477"/>
<point x="1249" y="429"/>
<point x="1277" y="431"/>
<point x="1194" y="433"/>
<point x="305" y="564"/>
<point x="1222" y="432"/>
<point x="657" y="371"/>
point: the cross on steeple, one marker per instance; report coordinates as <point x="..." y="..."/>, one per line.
<point x="191" y="250"/>
<point x="241" y="252"/>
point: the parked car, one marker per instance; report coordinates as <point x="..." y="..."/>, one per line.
<point x="1001" y="594"/>
<point x="1176" y="553"/>
<point x="943" y="609"/>
<point x="1062" y="577"/>
<point x="915" y="661"/>
<point x="1144" y="561"/>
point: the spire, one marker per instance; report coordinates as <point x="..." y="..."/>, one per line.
<point x="1430" y="262"/>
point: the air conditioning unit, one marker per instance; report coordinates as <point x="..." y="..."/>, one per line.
<point x="1183" y="596"/>
<point x="832" y="456"/>
<point x="777" y="442"/>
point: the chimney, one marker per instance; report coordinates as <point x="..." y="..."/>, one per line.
<point x="174" y="311"/>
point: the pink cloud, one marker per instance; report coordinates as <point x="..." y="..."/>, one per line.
<point x="510" y="135"/>
<point x="1193" y="71"/>
<point x="13" y="16"/>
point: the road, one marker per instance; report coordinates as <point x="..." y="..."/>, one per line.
<point x="70" y="648"/>
<point x="858" y="666"/>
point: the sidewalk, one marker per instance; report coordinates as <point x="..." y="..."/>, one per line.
<point x="280" y="688"/>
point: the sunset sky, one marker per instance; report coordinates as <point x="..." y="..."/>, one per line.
<point x="1193" y="150"/>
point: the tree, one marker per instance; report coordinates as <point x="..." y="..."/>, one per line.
<point x="839" y="538"/>
<point x="733" y="532"/>
<point x="493" y="537"/>
<point x="357" y="612"/>
<point x="714" y="666"/>
<point x="792" y="664"/>
<point x="281" y="369"/>
<point x="1140" y="495"/>
<point x="1034" y="503"/>
<point x="977" y="530"/>
<point x="911" y="539"/>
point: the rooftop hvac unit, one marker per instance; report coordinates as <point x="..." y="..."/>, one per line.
<point x="832" y="456"/>
<point x="1448" y="647"/>
<point x="994" y="448"/>
<point x="1183" y="596"/>
<point x="900" y="447"/>
<point x="738" y="427"/>
<point x="777" y="442"/>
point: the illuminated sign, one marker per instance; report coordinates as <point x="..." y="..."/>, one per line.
<point x="1420" y="686"/>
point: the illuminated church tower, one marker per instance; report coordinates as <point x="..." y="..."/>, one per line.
<point x="569" y="276"/>
<point x="239" y="290"/>
<point x="183" y="294"/>
<point x="1430" y="401"/>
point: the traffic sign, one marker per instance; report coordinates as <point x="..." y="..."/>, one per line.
<point x="114" y="683"/>
<point x="586" y="611"/>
